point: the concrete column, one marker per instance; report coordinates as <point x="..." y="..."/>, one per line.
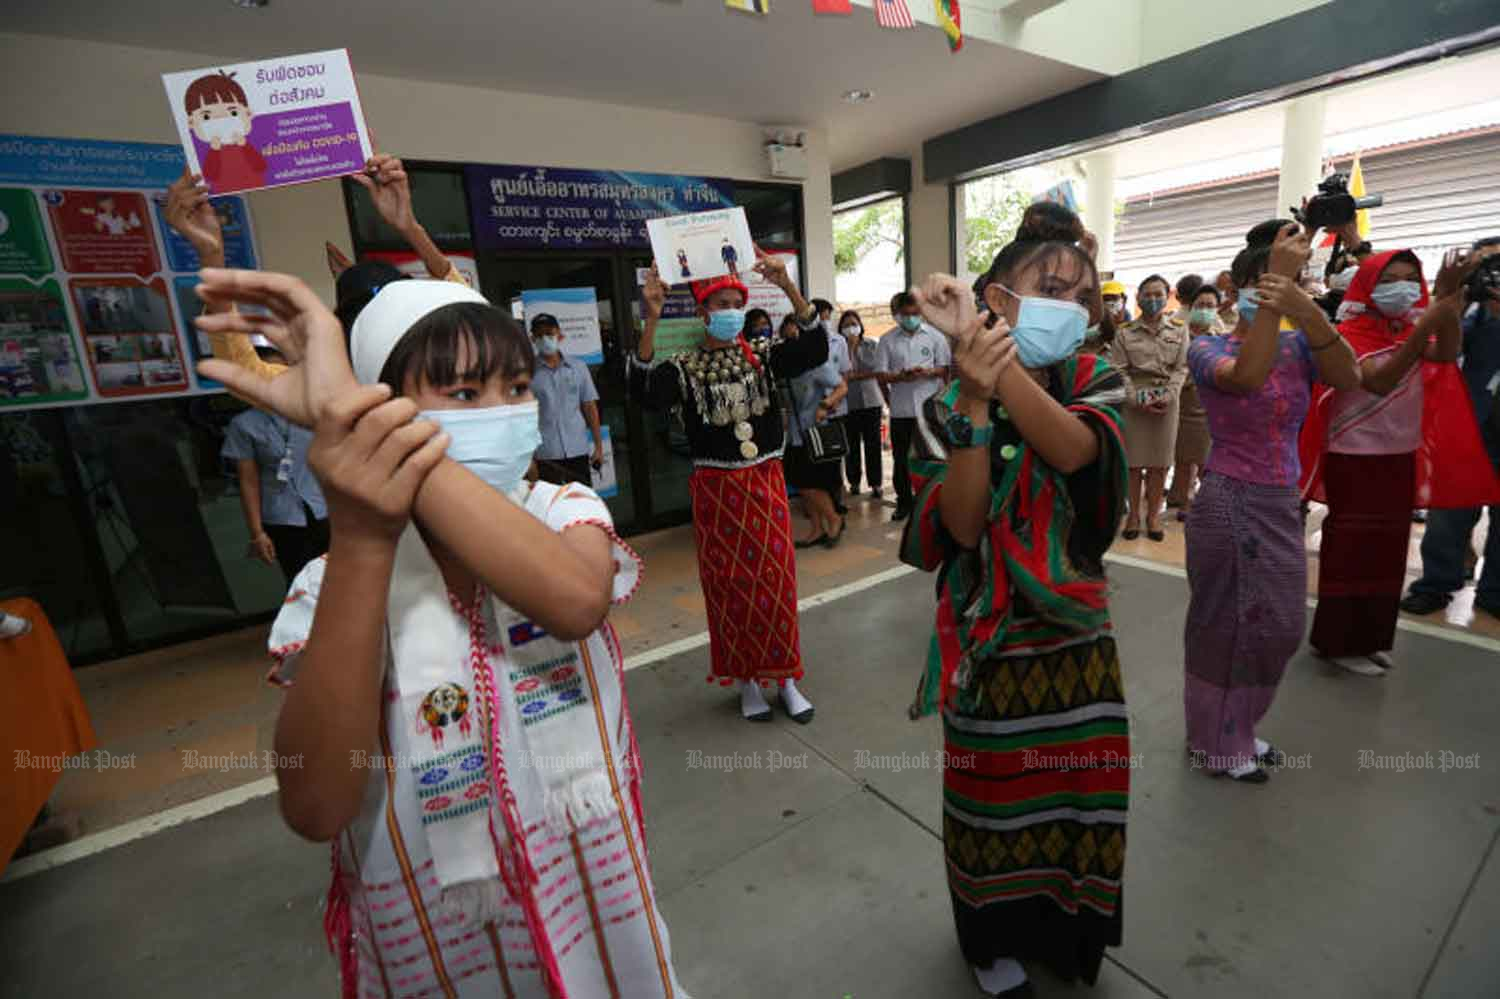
<point x="1301" y="152"/>
<point x="1099" y="203"/>
<point x="931" y="244"/>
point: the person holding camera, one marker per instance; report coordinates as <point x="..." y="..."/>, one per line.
<point x="1152" y="354"/>
<point x="1406" y="438"/>
<point x="1445" y="545"/>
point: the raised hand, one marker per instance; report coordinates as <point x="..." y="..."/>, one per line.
<point x="1290" y="251"/>
<point x="189" y="212"/>
<point x="371" y="455"/>
<point x="390" y="188"/>
<point x="981" y="356"/>
<point x="946" y="302"/>
<point x="301" y="328"/>
<point x="1456" y="268"/>
<point x="1282" y="294"/>
<point x="772" y="268"/>
<point x="654" y="294"/>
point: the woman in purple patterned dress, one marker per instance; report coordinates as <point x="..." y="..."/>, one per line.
<point x="1246" y="554"/>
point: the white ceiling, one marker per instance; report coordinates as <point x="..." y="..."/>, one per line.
<point x="1449" y="95"/>
<point x="789" y="68"/>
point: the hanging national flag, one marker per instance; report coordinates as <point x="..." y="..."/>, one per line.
<point x="893" y="14"/>
<point x="832" y="7"/>
<point x="950" y="19"/>
<point x="1357" y="189"/>
<point x="749" y="6"/>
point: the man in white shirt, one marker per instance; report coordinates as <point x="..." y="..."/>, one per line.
<point x="913" y="361"/>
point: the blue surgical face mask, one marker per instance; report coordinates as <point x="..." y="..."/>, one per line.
<point x="726" y="324"/>
<point x="1249" y="304"/>
<point x="1151" y="307"/>
<point x="1047" y="330"/>
<point x="910" y="323"/>
<point x="495" y="443"/>
<point x="1395" y="299"/>
<point x="547" y="345"/>
<point x="1202" y="317"/>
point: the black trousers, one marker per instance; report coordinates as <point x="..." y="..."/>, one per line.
<point x="297" y="546"/>
<point x="561" y="471"/>
<point x="863" y="428"/>
<point x="903" y="429"/>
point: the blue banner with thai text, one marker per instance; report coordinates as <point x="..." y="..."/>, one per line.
<point x="26" y="159"/>
<point x="528" y="208"/>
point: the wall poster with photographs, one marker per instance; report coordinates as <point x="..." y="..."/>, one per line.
<point x="96" y="300"/>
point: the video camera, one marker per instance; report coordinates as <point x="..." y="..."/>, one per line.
<point x="1484" y="283"/>
<point x="1333" y="205"/>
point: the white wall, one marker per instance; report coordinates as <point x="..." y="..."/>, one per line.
<point x="115" y="92"/>
<point x="1172" y="26"/>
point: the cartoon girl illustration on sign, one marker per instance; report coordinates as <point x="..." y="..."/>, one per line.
<point x="219" y="115"/>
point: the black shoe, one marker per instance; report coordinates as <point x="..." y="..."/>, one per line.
<point x="832" y="541"/>
<point x="1272" y="757"/>
<point x="902" y="512"/>
<point x="1157" y="535"/>
<point x="853" y="490"/>
<point x="1130" y="533"/>
<point x="1422" y="602"/>
<point x="876" y="492"/>
<point x="821" y="539"/>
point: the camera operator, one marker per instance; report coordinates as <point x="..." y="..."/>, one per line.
<point x="1446" y="544"/>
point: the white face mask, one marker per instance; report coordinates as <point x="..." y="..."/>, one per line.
<point x="226" y="129"/>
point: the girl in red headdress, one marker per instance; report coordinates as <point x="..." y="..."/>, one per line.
<point x="1405" y="440"/>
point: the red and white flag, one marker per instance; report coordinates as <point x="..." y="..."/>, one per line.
<point x="893" y="14"/>
<point x="832" y="7"/>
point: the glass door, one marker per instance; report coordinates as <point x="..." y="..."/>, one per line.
<point x="666" y="459"/>
<point x="504" y="277"/>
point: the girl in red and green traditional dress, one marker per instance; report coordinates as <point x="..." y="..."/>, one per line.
<point x="1020" y="472"/>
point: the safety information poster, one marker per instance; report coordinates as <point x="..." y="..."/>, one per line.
<point x="96" y="299"/>
<point x="270" y="123"/>
<point x="577" y="313"/>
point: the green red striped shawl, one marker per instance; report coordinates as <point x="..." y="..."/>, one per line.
<point x="1037" y="545"/>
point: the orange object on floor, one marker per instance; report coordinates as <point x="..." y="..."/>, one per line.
<point x="42" y="720"/>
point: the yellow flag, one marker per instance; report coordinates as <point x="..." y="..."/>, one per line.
<point x="749" y="6"/>
<point x="1357" y="188"/>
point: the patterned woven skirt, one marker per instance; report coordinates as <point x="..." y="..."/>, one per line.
<point x="748" y="570"/>
<point x="1247" y="609"/>
<point x="1035" y="788"/>
<point x="1362" y="561"/>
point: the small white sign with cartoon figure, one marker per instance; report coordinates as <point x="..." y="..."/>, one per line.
<point x="271" y="123"/>
<point x="702" y="245"/>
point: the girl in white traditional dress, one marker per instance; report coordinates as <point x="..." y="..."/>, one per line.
<point x="455" y="719"/>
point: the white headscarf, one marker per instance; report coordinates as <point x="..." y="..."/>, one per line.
<point x="395" y="309"/>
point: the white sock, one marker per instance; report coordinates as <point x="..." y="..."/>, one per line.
<point x="1262" y="747"/>
<point x="792" y="698"/>
<point x="1244" y="769"/>
<point x="1382" y="659"/>
<point x="752" y="702"/>
<point x="1363" y="665"/>
<point x="1006" y="973"/>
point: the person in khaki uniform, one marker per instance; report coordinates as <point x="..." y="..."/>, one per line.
<point x="1152" y="354"/>
<point x="1192" y="424"/>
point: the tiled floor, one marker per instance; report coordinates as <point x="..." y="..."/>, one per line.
<point x="171" y="710"/>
